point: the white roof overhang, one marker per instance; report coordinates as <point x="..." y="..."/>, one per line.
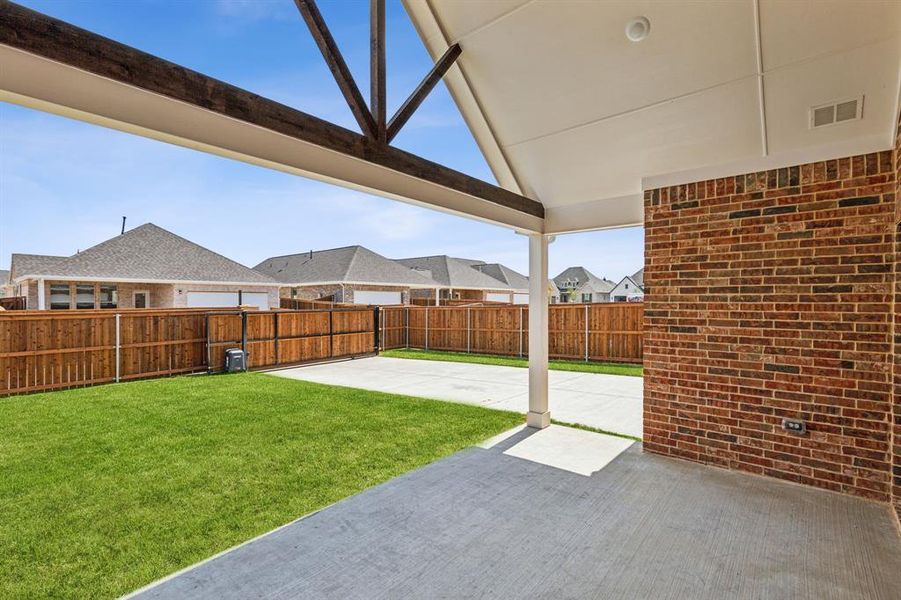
<point x="571" y="113"/>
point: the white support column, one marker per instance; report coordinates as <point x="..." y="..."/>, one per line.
<point x="436" y="297"/>
<point x="539" y="416"/>
<point x="42" y="302"/>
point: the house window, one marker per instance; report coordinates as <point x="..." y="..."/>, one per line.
<point x="586" y="297"/>
<point x="627" y="286"/>
<point x="619" y="298"/>
<point x="140" y="299"/>
<point x="59" y="297"/>
<point x="109" y="296"/>
<point x="84" y="296"/>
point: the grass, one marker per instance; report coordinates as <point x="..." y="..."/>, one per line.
<point x="509" y="361"/>
<point x="106" y="489"/>
<point x="596" y="430"/>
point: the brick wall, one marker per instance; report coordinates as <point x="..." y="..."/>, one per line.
<point x="769" y="295"/>
<point x="896" y="445"/>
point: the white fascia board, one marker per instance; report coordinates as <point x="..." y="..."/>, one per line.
<point x="77" y="278"/>
<point x="607" y="213"/>
<point x="424" y="286"/>
<point x="37" y="82"/>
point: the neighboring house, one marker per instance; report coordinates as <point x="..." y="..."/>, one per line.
<point x="146" y="267"/>
<point x="638" y="277"/>
<point x="518" y="282"/>
<point x="553" y="294"/>
<point x="629" y="289"/>
<point x="462" y="279"/>
<point x="578" y="284"/>
<point x="6" y="289"/>
<point x="352" y="274"/>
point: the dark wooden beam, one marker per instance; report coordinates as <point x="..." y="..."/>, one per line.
<point x="36" y="33"/>
<point x="377" y="85"/>
<point x="323" y="38"/>
<point x="419" y="94"/>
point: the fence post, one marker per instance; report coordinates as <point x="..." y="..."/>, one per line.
<point x="586" y="333"/>
<point x="331" y="333"/>
<point x="468" y="329"/>
<point x="375" y="328"/>
<point x="426" y="327"/>
<point x="118" y="347"/>
<point x="244" y="339"/>
<point x="275" y="334"/>
<point x="520" y="331"/>
<point x="209" y="354"/>
<point x="407" y="327"/>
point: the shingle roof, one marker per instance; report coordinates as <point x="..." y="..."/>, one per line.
<point x="349" y="264"/>
<point x="454" y="272"/>
<point x="583" y="276"/>
<point x="638" y="277"/>
<point x="504" y="274"/>
<point x="145" y="253"/>
<point x="4" y="277"/>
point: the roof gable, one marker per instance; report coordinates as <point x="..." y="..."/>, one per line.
<point x="145" y="253"/>
<point x="350" y="264"/>
<point x="504" y="274"/>
<point x="577" y="278"/>
<point x="455" y="272"/>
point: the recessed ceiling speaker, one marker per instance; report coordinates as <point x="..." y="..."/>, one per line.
<point x="637" y="29"/>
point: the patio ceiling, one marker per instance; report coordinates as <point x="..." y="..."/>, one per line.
<point x="570" y="112"/>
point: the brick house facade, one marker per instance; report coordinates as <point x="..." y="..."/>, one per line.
<point x="771" y="295"/>
<point x="159" y="295"/>
<point x="337" y="292"/>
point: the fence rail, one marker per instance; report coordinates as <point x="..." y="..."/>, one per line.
<point x="43" y="350"/>
<point x="591" y="332"/>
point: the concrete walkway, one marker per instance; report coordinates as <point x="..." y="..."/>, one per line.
<point x="609" y="402"/>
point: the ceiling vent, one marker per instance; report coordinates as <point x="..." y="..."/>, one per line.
<point x="836" y="112"/>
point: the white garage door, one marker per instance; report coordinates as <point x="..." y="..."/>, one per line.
<point x="212" y="299"/>
<point x="227" y="299"/>
<point x="370" y="297"/>
<point x="258" y="299"/>
<point x="498" y="297"/>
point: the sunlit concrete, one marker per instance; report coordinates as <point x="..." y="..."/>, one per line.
<point x="608" y="402"/>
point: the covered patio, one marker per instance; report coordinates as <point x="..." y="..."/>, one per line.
<point x="486" y="523"/>
<point x="756" y="141"/>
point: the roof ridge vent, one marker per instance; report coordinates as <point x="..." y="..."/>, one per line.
<point x="837" y="111"/>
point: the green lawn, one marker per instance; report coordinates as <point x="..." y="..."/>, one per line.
<point x="106" y="489"/>
<point x="509" y="361"/>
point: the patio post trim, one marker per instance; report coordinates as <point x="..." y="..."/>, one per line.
<point x="539" y="416"/>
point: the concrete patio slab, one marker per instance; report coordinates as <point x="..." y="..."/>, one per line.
<point x="573" y="450"/>
<point x="609" y="402"/>
<point x="485" y="524"/>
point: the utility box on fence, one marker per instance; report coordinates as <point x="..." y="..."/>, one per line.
<point x="234" y="360"/>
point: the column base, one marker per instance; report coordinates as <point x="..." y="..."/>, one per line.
<point x="538" y="420"/>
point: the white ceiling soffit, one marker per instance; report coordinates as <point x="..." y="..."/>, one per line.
<point x="571" y="113"/>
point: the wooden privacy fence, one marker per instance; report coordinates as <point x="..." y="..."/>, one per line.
<point x="45" y="350"/>
<point x="591" y="332"/>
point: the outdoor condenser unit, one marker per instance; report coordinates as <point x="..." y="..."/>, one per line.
<point x="234" y="360"/>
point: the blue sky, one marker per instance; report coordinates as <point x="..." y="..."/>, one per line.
<point x="64" y="185"/>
